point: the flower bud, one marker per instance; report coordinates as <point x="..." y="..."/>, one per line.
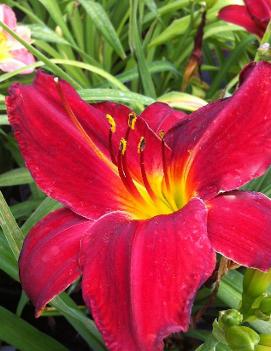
<point x="241" y="338"/>
<point x="230" y="318"/>
<point x="255" y="286"/>
<point x="226" y="320"/>
<point x="265" y="340"/>
<point x="256" y="282"/>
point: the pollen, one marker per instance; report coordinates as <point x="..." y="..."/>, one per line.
<point x="111" y="122"/>
<point x="141" y="145"/>
<point x="123" y="145"/>
<point x="132" y="120"/>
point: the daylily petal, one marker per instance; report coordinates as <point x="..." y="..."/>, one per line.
<point x="63" y="163"/>
<point x="161" y="117"/>
<point x="230" y="143"/>
<point x="140" y="277"/>
<point x="239" y="227"/>
<point x="93" y="119"/>
<point x="49" y="258"/>
<point x="239" y="15"/>
<point x="7" y="16"/>
<point x="260" y="10"/>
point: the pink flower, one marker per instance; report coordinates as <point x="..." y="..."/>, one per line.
<point x="13" y="55"/>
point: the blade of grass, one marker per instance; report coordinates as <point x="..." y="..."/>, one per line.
<point x="231" y="59"/>
<point x="81" y="323"/>
<point x="137" y="48"/>
<point x="56" y="13"/>
<point x="99" y="71"/>
<point x="101" y="20"/>
<point x="15" y="331"/>
<point x="11" y="231"/>
<point x="16" y="177"/>
<point x="115" y="95"/>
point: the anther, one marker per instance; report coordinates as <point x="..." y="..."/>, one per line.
<point x="112" y="130"/>
<point x="140" y="149"/>
<point x="123" y="146"/>
<point x="132" y="120"/>
<point x="141" y="145"/>
<point x="111" y="122"/>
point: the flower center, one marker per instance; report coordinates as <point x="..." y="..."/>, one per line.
<point x="148" y="194"/>
<point x="4" y="47"/>
<point x="153" y="194"/>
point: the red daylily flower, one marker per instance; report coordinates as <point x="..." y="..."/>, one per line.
<point x="254" y="16"/>
<point x="144" y="211"/>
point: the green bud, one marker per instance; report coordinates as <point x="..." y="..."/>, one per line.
<point x="241" y="338"/>
<point x="255" y="286"/>
<point x="265" y="340"/>
<point x="226" y="319"/>
<point x="265" y="305"/>
<point x="230" y="318"/>
<point x="262" y="348"/>
<point x="256" y="282"/>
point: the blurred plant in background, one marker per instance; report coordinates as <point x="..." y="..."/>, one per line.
<point x="133" y="52"/>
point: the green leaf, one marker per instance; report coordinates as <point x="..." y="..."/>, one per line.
<point x="24" y="209"/>
<point x="91" y="68"/>
<point x="15" y="331"/>
<point x="114" y="95"/>
<point x="176" y="28"/>
<point x="169" y="8"/>
<point x="4" y="120"/>
<point x="42" y="32"/>
<point x="11" y="231"/>
<point x="80" y="322"/>
<point x="182" y="101"/>
<point x="16" y="177"/>
<point x="56" y="13"/>
<point x="101" y="20"/>
<point x="8" y="262"/>
<point x="137" y="47"/>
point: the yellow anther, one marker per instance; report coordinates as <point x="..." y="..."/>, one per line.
<point x="123" y="145"/>
<point x="132" y="120"/>
<point x="162" y="134"/>
<point x="111" y="122"/>
<point x="141" y="145"/>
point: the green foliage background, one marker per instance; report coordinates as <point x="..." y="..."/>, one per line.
<point x="134" y="52"/>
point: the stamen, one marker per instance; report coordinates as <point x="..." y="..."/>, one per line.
<point x="112" y="130"/>
<point x="123" y="170"/>
<point x="79" y="126"/>
<point x="140" y="150"/>
<point x="111" y="122"/>
<point x="164" y="160"/>
<point x="132" y="120"/>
